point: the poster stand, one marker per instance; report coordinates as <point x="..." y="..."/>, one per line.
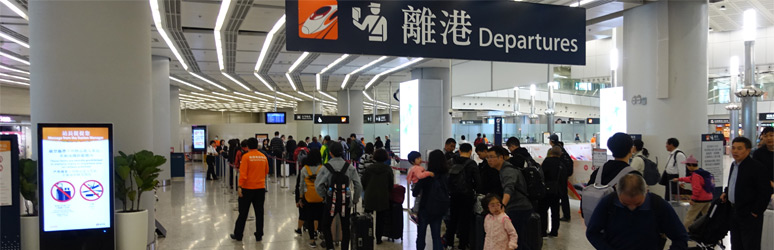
<point x="10" y="229"/>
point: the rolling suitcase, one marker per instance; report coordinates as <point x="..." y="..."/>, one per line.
<point x="680" y="207"/>
<point x="394" y="227"/>
<point x="534" y="236"/>
<point x="477" y="234"/>
<point x="362" y="231"/>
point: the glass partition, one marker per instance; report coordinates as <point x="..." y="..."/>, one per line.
<point x="719" y="88"/>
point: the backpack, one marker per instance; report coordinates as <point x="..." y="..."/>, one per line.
<point x="435" y="197"/>
<point x="552" y="187"/>
<point x="458" y="181"/>
<point x="709" y="180"/>
<point x="533" y="175"/>
<point x="651" y="175"/>
<point x="301" y="157"/>
<point x="568" y="167"/>
<point x="592" y="194"/>
<point x="338" y="191"/>
<point x="311" y="195"/>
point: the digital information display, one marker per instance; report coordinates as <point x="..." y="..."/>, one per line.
<point x="199" y="138"/>
<point x="612" y="110"/>
<point x="275" y="118"/>
<point x="76" y="178"/>
<point x="409" y="117"/>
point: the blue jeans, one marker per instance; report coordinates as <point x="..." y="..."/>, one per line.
<point x="435" y="231"/>
<point x="520" y="218"/>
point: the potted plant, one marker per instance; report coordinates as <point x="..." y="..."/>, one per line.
<point x="30" y="233"/>
<point x="135" y="174"/>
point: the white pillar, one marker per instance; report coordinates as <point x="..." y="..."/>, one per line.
<point x="351" y="104"/>
<point x="174" y="123"/>
<point x="665" y="60"/>
<point x="161" y="112"/>
<point x="443" y="75"/>
<point x="91" y="63"/>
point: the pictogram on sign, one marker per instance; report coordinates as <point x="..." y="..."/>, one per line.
<point x="62" y="191"/>
<point x="92" y="190"/>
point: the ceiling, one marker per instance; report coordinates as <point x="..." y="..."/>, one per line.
<point x="243" y="30"/>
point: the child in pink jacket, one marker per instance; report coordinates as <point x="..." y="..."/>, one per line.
<point x="416" y="173"/>
<point x="701" y="198"/>
<point x="500" y="233"/>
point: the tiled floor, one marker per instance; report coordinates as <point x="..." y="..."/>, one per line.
<point x="200" y="214"/>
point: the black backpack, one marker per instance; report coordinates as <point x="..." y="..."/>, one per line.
<point x="533" y="175"/>
<point x="650" y="173"/>
<point x="458" y="180"/>
<point x="435" y="197"/>
<point x="338" y="191"/>
<point x="552" y="187"/>
<point x="568" y="167"/>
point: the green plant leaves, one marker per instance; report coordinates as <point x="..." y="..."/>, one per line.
<point x="29" y="182"/>
<point x="139" y="171"/>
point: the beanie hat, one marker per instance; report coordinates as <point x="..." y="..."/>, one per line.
<point x="620" y="144"/>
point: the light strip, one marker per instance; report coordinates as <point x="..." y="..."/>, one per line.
<point x="186" y="83"/>
<point x="582" y="2"/>
<point x="267" y="42"/>
<point x="334" y="63"/>
<point x="306" y="95"/>
<point x="208" y="81"/>
<point x="292" y="84"/>
<point x="213" y="97"/>
<point x="156" y="12"/>
<point x="372" y="63"/>
<point x="12" y="57"/>
<point x="15" y="82"/>
<point x="235" y="81"/>
<point x="13" y="76"/>
<point x="229" y="96"/>
<point x="218" y="36"/>
<point x="290" y="96"/>
<point x="15" y="9"/>
<point x="263" y="81"/>
<point x="14" y="39"/>
<point x="298" y="62"/>
<point x="13" y="69"/>
<point x="317" y="81"/>
<point x="269" y="96"/>
<point x="254" y="97"/>
<point x="390" y="71"/>
<point x="329" y="96"/>
<point x="367" y="96"/>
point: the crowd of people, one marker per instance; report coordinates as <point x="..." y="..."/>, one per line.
<point x="500" y="197"/>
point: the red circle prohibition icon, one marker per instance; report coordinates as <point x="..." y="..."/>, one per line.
<point x="62" y="191"/>
<point x="92" y="190"/>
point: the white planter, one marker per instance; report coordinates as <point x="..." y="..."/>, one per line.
<point x="30" y="232"/>
<point x="132" y="230"/>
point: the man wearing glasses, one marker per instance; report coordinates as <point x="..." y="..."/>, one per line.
<point x="517" y="205"/>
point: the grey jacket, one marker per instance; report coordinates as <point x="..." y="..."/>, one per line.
<point x="323" y="179"/>
<point x="514" y="185"/>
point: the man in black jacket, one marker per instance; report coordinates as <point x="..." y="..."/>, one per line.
<point x="749" y="192"/>
<point x="490" y="177"/>
<point x="277" y="147"/>
<point x="290" y="148"/>
<point x="765" y="154"/>
<point x="464" y="182"/>
<point x="567" y="171"/>
<point x="518" y="154"/>
<point x="448" y="149"/>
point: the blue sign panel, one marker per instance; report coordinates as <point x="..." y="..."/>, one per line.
<point x="475" y="30"/>
<point x="498" y="131"/>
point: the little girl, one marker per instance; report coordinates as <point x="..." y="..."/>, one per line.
<point x="416" y="173"/>
<point x="500" y="233"/>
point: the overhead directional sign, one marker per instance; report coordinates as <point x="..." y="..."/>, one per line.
<point x="491" y="30"/>
<point x="324" y="119"/>
<point x="303" y="117"/>
<point x="383" y="118"/>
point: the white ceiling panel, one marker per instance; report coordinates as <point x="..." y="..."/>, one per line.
<point x="200" y="15"/>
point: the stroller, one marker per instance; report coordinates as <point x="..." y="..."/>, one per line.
<point x="710" y="229"/>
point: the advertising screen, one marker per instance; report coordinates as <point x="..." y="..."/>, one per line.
<point x="409" y="117"/>
<point x="275" y="118"/>
<point x="612" y="110"/>
<point x="76" y="177"/>
<point x="199" y="135"/>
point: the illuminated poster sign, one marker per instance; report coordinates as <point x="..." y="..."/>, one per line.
<point x="475" y="30"/>
<point x="199" y="138"/>
<point x="612" y="110"/>
<point x="10" y="230"/>
<point x="409" y="117"/>
<point x="75" y="182"/>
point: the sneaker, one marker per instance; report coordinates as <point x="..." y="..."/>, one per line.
<point x="413" y="218"/>
<point x="312" y="244"/>
<point x="258" y="238"/>
<point x="298" y="231"/>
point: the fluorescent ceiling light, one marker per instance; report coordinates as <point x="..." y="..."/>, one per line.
<point x="263" y="81"/>
<point x="213" y="97"/>
<point x="367" y="96"/>
<point x="372" y="63"/>
<point x="306" y="95"/>
<point x="254" y="97"/>
<point x="14" y="39"/>
<point x="235" y="81"/>
<point x="317" y="81"/>
<point x="12" y="57"/>
<point x="289" y="96"/>
<point x="156" y="13"/>
<point x="186" y="83"/>
<point x="13" y="69"/>
<point x="229" y="96"/>
<point x="224" y="6"/>
<point x="582" y="2"/>
<point x="13" y="76"/>
<point x="750" y="25"/>
<point x="208" y="81"/>
<point x="329" y="96"/>
<point x="390" y="71"/>
<point x="290" y="79"/>
<point x="298" y="61"/>
<point x="15" y="9"/>
<point x="269" y="96"/>
<point x="334" y="63"/>
<point x="15" y="82"/>
<point x="266" y="43"/>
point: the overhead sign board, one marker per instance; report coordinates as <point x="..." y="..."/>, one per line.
<point x="383" y="118"/>
<point x="766" y="116"/>
<point x="475" y="30"/>
<point x="719" y="121"/>
<point x="471" y="122"/>
<point x="75" y="186"/>
<point x="325" y="119"/>
<point x="498" y="131"/>
<point x="592" y="120"/>
<point x="303" y="117"/>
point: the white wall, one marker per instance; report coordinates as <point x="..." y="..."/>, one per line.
<point x="14" y="101"/>
<point x="723" y="45"/>
<point x="597" y="60"/>
<point x="479" y="76"/>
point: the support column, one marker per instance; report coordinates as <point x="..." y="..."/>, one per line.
<point x="351" y="104"/>
<point x="161" y="114"/>
<point x="104" y="80"/>
<point x="665" y="60"/>
<point x="174" y="123"/>
<point x="443" y="75"/>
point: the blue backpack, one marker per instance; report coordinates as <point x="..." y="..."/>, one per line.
<point x="709" y="180"/>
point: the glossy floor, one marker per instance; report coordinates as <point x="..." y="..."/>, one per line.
<point x="200" y="214"/>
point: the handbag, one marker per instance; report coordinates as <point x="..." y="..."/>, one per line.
<point x="664" y="179"/>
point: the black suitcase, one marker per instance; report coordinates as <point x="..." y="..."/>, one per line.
<point x="477" y="234"/>
<point x="362" y="231"/>
<point x="394" y="226"/>
<point x="534" y="236"/>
